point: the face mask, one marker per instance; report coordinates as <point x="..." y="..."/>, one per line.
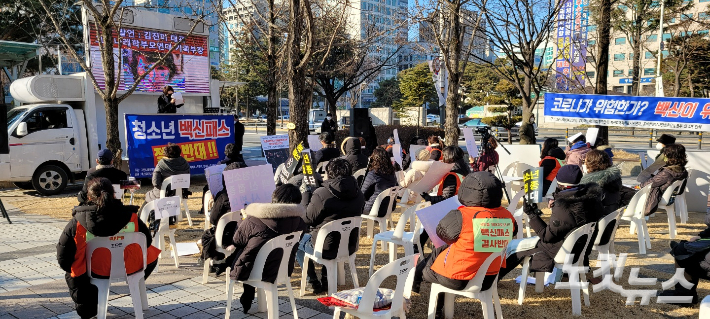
<point x="329" y="118"/>
<point x="659" y="146"/>
<point x="584" y="168"/>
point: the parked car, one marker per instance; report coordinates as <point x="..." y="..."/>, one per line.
<point x="432" y="119"/>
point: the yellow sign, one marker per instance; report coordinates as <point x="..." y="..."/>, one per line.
<point x="291" y="126"/>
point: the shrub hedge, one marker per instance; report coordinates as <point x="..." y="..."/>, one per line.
<point x="406" y="133"/>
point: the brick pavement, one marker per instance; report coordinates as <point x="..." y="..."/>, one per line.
<point x="32" y="284"/>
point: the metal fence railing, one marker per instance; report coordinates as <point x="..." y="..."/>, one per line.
<point x="620" y="136"/>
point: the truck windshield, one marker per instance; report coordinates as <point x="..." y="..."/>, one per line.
<point x="14" y="115"/>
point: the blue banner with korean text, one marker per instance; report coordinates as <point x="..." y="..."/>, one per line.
<point x="201" y="138"/>
<point x="671" y="113"/>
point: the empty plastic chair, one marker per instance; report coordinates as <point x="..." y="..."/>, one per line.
<point x="489" y="298"/>
<point x="267" y="292"/>
<point x="373" y="215"/>
<point x="163" y="230"/>
<point x="136" y="281"/>
<point x="219" y="247"/>
<point x="184" y="182"/>
<point x="399" y="237"/>
<point x="402" y="269"/>
<point x="634" y="213"/>
<point x="335" y="267"/>
<point x="572" y="251"/>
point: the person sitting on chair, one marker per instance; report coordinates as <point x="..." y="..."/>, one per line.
<point x="449" y="185"/>
<point x="380" y="176"/>
<point x="453" y="265"/>
<point x="338" y="197"/>
<point x="171" y="164"/>
<point x="353" y="154"/>
<point x="674" y="170"/>
<point x="103" y="216"/>
<point x="263" y="222"/>
<point x="104" y="168"/>
<point x="328" y="152"/>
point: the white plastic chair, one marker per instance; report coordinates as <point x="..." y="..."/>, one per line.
<point x="573" y="249"/>
<point x="360" y="176"/>
<point x="218" y="234"/>
<point x="705" y="308"/>
<point x="207" y="204"/>
<point x="117" y="191"/>
<point x="489" y="298"/>
<point x="519" y="214"/>
<point x="268" y="293"/>
<point x="178" y="193"/>
<point x="136" y="282"/>
<point x="681" y="207"/>
<point x="335" y="267"/>
<point x="163" y="230"/>
<point x="372" y="215"/>
<point x="670" y="208"/>
<point x="606" y="226"/>
<point x="634" y="213"/>
<point x="399" y="237"/>
<point x="402" y="269"/>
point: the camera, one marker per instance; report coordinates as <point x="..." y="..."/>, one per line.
<point x="485" y="136"/>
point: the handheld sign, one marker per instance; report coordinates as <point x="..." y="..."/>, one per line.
<point x="314" y="143"/>
<point x="180" y="181"/>
<point x="433" y="176"/>
<point x="397" y="153"/>
<point x="592" y="134"/>
<point x="491" y="234"/>
<point x="430" y="217"/>
<point x="310" y="179"/>
<point x="532" y="183"/>
<point x="214" y="178"/>
<point x="293" y="164"/>
<point x="396" y="136"/>
<point x="573" y="137"/>
<point x="247" y="185"/>
<point x="273" y="142"/>
<point x="167" y="207"/>
<point x="470" y="142"/>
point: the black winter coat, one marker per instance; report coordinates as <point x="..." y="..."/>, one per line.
<point x="338" y="198"/>
<point x="374" y="184"/>
<point x="572" y="208"/>
<point x="238" y="136"/>
<point x="610" y="182"/>
<point x="354" y="155"/>
<point x="113" y="174"/>
<point x="460" y="167"/>
<point x="103" y="222"/>
<point x="324" y="155"/>
<point x="264" y="222"/>
<point x="164" y="105"/>
<point x="329" y="126"/>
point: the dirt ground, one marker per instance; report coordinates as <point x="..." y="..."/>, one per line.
<point x="552" y="303"/>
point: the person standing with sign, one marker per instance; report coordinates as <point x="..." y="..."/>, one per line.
<point x="471" y="233"/>
<point x="575" y="205"/>
<point x="166" y="103"/>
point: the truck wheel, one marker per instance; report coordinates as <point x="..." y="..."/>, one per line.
<point x="24" y="185"/>
<point x="50" y="180"/>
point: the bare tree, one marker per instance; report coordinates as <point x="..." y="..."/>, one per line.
<point x="517" y="28"/>
<point x="107" y="18"/>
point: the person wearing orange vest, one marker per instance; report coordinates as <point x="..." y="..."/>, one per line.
<point x="453" y="265"/>
<point x="449" y="185"/>
<point x="105" y="216"/>
<point x="551" y="160"/>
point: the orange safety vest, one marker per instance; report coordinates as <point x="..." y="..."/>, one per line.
<point x="550" y="177"/>
<point x="459" y="261"/>
<point x="101" y="259"/>
<point x="439" y="188"/>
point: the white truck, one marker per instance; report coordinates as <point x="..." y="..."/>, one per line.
<point x="59" y="129"/>
<point x="315" y="119"/>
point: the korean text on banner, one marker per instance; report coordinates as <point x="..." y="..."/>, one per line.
<point x="532" y="182"/>
<point x="433" y="176"/>
<point x="673" y="113"/>
<point x="200" y="137"/>
<point x="214" y="178"/>
<point x="396" y="136"/>
<point x="167" y="207"/>
<point x="430" y="217"/>
<point x="272" y="142"/>
<point x="470" y="142"/>
<point x="247" y="185"/>
<point x="491" y="234"/>
<point x="397" y="152"/>
<point x="314" y="143"/>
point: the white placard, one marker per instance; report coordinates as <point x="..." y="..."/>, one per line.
<point x="314" y="143"/>
<point x="397" y="153"/>
<point x="430" y="217"/>
<point x="180" y="181"/>
<point x="592" y="134"/>
<point x="433" y="176"/>
<point x="178" y="98"/>
<point x="214" y="178"/>
<point x="166" y="207"/>
<point x="272" y="142"/>
<point x="470" y="142"/>
<point x="573" y="137"/>
<point x="248" y="185"/>
<point x="414" y="149"/>
<point x="187" y="249"/>
<point x="396" y="136"/>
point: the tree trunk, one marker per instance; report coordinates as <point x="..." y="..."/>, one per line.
<point x="676" y="84"/>
<point x="332" y="108"/>
<point x="272" y="103"/>
<point x="636" y="48"/>
<point x="690" y="86"/>
<point x="603" y="59"/>
<point x="526" y="138"/>
<point x="113" y="142"/>
<point x="297" y="88"/>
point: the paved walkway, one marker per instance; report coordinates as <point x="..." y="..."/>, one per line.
<point x="32" y="284"/>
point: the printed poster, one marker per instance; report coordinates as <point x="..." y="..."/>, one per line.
<point x="254" y="184"/>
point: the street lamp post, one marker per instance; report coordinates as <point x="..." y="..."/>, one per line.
<point x="659" y="78"/>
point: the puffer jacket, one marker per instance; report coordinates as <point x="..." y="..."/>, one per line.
<point x="374" y="184"/>
<point x="168" y="167"/>
<point x="610" y="182"/>
<point x="325" y="154"/>
<point x="113" y="174"/>
<point x="264" y="222"/>
<point x="449" y="185"/>
<point x="577" y="154"/>
<point x="572" y="208"/>
<point x="415" y="173"/>
<point x="353" y="154"/>
<point x="659" y="183"/>
<point x="338" y="198"/>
